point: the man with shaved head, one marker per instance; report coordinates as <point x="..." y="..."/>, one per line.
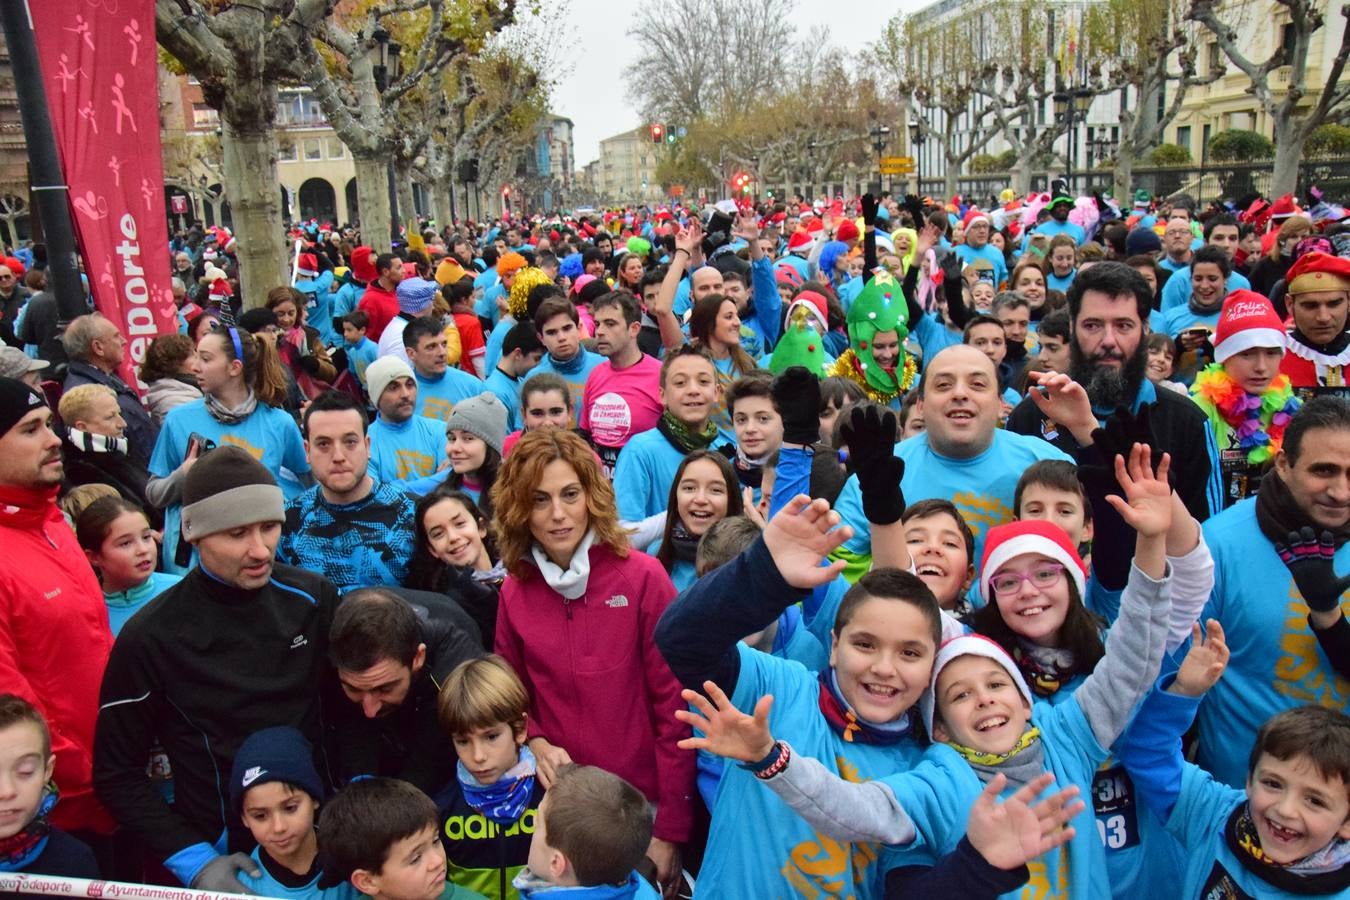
<point x="963" y="456"/>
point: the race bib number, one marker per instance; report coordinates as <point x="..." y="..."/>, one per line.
<point x="1113" y="804"/>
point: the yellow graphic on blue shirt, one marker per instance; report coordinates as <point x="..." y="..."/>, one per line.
<point x="235" y="440"/>
<point x="1039" y="887"/>
<point x="437" y="408"/>
<point x="412" y="464"/>
<point x="825" y="867"/>
<point x="981" y="512"/>
<point x="1300" y="673"/>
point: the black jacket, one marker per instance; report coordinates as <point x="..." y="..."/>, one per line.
<point x="115" y="469"/>
<point x="201" y="667"/>
<point x="408" y="743"/>
<point x="1179" y="428"/>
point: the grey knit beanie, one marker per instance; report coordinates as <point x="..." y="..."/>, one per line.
<point x="228" y="488"/>
<point x="483" y="416"/>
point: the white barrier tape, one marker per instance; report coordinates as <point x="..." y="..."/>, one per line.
<point x="58" y="885"/>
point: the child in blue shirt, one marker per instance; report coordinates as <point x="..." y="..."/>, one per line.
<point x="120" y="544"/>
<point x="276" y="789"/>
<point x="361" y="350"/>
<point x="1288" y="834"/>
<point x="590" y="835"/>
<point x="982" y="711"/>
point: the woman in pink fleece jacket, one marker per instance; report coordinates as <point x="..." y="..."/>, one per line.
<point x="576" y="619"/>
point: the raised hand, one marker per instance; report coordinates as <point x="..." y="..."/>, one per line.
<point x="796" y="395"/>
<point x="689" y="239"/>
<point x="1147" y="505"/>
<point x="869" y="434"/>
<point x="929" y="237"/>
<point x="1065" y="402"/>
<point x="869" y="209"/>
<point x="951" y="266"/>
<point x="1204" y="662"/>
<point x="747" y="227"/>
<point x="1013" y="832"/>
<point x="726" y="730"/>
<point x="801" y="535"/>
<point x="914" y="206"/>
<point x="1311" y="561"/>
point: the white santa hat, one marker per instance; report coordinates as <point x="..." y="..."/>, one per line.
<point x="968" y="645"/>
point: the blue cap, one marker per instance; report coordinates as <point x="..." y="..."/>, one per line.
<point x="274" y="754"/>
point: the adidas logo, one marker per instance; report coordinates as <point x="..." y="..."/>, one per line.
<point x="252" y="775"/>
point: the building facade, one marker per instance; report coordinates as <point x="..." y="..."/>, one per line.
<point x="627" y="167"/>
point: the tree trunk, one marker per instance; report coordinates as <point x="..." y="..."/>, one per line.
<point x="1289" y="139"/>
<point x="1123" y="176"/>
<point x="1021" y="178"/>
<point x="372" y="198"/>
<point x="250" y="163"/>
<point x="950" y="171"/>
<point x="407" y="209"/>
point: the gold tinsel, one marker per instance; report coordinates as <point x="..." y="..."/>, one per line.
<point x="527" y="279"/>
<point x="847" y="366"/>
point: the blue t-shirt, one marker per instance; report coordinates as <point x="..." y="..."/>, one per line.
<point x="1052" y="228"/>
<point x="122" y="606"/>
<point x="268" y="886"/>
<point x="982" y="487"/>
<point x="1177" y="291"/>
<point x="492" y="353"/>
<point x="933" y="336"/>
<point x="507" y="390"/>
<point x="319" y="306"/>
<point x="437" y="397"/>
<point x="486" y="307"/>
<point x="990" y="254"/>
<point x="939" y="792"/>
<point x="360" y="356"/>
<point x="1054" y="283"/>
<point x="411" y="449"/>
<point x="269" y="435"/>
<point x="643" y="475"/>
<point x="755" y="839"/>
<point x="1276" y="662"/>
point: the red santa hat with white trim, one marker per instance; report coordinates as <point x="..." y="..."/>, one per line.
<point x="220" y="291"/>
<point x="974" y="215"/>
<point x="800" y="242"/>
<point x="1014" y="539"/>
<point x="1247" y="320"/>
<point x="308" y="264"/>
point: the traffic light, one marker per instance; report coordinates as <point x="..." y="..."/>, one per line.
<point x="740" y="182"/>
<point x="658" y="133"/>
<point x="670" y="135"/>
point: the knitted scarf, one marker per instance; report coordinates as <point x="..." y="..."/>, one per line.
<point x="1046" y="669"/>
<point x="684" y="438"/>
<point x="1322" y="873"/>
<point x="504" y="800"/>
<point x="18" y="851"/>
<point x="684" y="544"/>
<point x="1259" y="421"/>
<point x="1278" y="514"/>
<point x="97" y="443"/>
<point x="231" y="416"/>
<point x="983" y="758"/>
<point x="571" y="366"/>
<point x="844" y="720"/>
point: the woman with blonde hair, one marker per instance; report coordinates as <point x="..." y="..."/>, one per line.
<point x="576" y="619"/>
<point x="1269" y="270"/>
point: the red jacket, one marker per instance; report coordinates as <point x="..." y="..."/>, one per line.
<point x="54" y="641"/>
<point x="381" y="306"/>
<point x="598" y="686"/>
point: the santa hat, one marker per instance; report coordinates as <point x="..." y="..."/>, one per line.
<point x="969" y="645"/>
<point x="1284" y="207"/>
<point x="308" y="265"/>
<point x="847" y="231"/>
<point x="1247" y="320"/>
<point x="816" y="305"/>
<point x="1031" y="536"/>
<point x="220" y="291"/>
<point x="815" y="226"/>
<point x="363" y="265"/>
<point x="1318" y="272"/>
<point x="974" y="215"/>
<point x="805" y="212"/>
<point x="800" y="242"/>
<point x="785" y="273"/>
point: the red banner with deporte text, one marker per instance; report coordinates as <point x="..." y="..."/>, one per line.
<point x="100" y="71"/>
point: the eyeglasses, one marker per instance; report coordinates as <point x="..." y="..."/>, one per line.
<point x="1043" y="576"/>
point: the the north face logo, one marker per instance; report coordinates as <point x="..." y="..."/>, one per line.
<point x="617" y="601"/>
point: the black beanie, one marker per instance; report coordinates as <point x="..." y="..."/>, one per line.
<point x="17" y="400"/>
<point x="227" y="488"/>
<point x="280" y="754"/>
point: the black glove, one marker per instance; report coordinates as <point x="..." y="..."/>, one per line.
<point x="870" y="436"/>
<point x="1310" y="561"/>
<point x="951" y="268"/>
<point x="869" y="210"/>
<point x="796" y="393"/>
<point x="221" y="875"/>
<point x="914" y="206"/>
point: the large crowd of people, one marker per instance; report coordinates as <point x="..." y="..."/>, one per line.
<point x="884" y="548"/>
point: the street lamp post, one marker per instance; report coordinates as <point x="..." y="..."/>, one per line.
<point x="880" y="137"/>
<point x="1071" y="107"/>
<point x="916" y="147"/>
<point x="387" y="70"/>
<point x="1099" y="148"/>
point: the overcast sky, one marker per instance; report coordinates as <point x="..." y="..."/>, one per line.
<point x="599" y="46"/>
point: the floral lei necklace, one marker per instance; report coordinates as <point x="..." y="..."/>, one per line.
<point x="1259" y="420"/>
